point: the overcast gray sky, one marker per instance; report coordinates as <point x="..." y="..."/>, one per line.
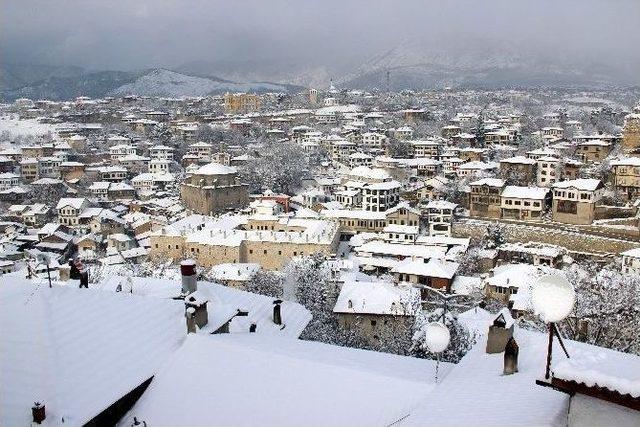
<point x="124" y="35"/>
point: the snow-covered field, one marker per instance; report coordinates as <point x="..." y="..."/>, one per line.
<point x="26" y="127"/>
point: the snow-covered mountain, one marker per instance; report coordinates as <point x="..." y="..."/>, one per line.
<point x="416" y="65"/>
<point x="162" y="82"/>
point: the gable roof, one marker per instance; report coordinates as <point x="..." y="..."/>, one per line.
<point x="78" y="351"/>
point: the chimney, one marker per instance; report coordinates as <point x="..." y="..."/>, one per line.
<point x="500" y="332"/>
<point x="38" y="412"/>
<point x="277" y="312"/>
<point x="510" y="357"/>
<point x="583" y="330"/>
<point x="188" y="271"/>
<point x="195" y="312"/>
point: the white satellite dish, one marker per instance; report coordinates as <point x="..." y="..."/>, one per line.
<point x="553" y="298"/>
<point x="437" y="337"/>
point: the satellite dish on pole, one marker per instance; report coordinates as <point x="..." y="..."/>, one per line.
<point x="437" y="337"/>
<point x="553" y="298"/>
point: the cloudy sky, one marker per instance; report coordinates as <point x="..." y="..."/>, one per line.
<point x="133" y="34"/>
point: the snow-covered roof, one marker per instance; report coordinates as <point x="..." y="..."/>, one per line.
<point x="215" y="169"/>
<point x="245" y="381"/>
<point x="369" y="173"/>
<point x="477" y="393"/>
<point x="78" y="350"/>
<point x="74" y="202"/>
<point x="224" y="303"/>
<point x="521" y="160"/>
<point x="583" y="184"/>
<point x="628" y="161"/>
<point x="234" y="271"/>
<point x="517" y="192"/>
<point x="489" y="182"/>
<point x="436" y="267"/>
<point x="381" y="298"/>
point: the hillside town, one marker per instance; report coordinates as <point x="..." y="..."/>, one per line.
<point x="335" y="226"/>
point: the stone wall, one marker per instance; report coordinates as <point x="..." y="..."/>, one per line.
<point x="573" y="241"/>
<point x="209" y="200"/>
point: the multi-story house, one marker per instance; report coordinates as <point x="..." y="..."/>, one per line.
<point x="429" y="149"/>
<point x="631" y="132"/>
<point x="241" y="103"/>
<point x="523" y="203"/>
<point x="29" y="169"/>
<point x="518" y="170"/>
<point x="202" y="150"/>
<point x="574" y="202"/>
<point x="484" y="199"/>
<point x="159" y="166"/>
<point x="374" y="140"/>
<point x="595" y="150"/>
<point x="440" y="217"/>
<point x="552" y="133"/>
<point x="631" y="261"/>
<point x="549" y="171"/>
<point x="161" y="152"/>
<point x="626" y="176"/>
<point x="70" y="209"/>
<point x="121" y="150"/>
<point x="8" y="180"/>
<point x="113" y="173"/>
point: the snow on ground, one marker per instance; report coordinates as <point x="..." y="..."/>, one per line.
<point x="24" y="127"/>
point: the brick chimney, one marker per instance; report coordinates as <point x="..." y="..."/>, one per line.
<point x="500" y="332"/>
<point x="38" y="412"/>
<point x="511" y="357"/>
<point x="188" y="271"/>
<point x="196" y="312"/>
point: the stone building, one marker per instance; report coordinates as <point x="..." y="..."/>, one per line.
<point x="518" y="170"/>
<point x="626" y="176"/>
<point x="595" y="150"/>
<point x="268" y="240"/>
<point x="214" y="188"/>
<point x="631" y="132"/>
<point x="241" y="103"/>
<point x="377" y="311"/>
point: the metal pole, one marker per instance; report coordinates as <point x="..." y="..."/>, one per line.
<point x="549" y="349"/>
<point x="49" y="275"/>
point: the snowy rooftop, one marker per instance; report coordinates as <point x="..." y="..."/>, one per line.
<point x="476" y="393"/>
<point x="224" y="303"/>
<point x="435" y="267"/>
<point x="583" y="184"/>
<point x="381" y="298"/>
<point x="78" y="351"/>
<point x="535" y="193"/>
<point x="280" y="382"/>
<point x="215" y="169"/>
<point x="490" y="182"/>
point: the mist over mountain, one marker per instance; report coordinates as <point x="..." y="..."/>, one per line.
<point x="419" y="43"/>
